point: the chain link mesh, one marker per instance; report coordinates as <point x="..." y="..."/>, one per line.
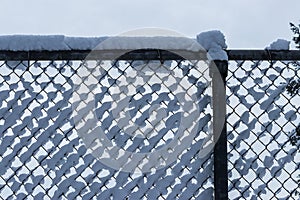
<point x="262" y="163"/>
<point x="42" y="156"/>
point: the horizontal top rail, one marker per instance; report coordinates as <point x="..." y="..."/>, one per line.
<point x="263" y="55"/>
<point x="147" y="54"/>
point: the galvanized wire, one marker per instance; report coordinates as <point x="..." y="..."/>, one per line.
<point x="261" y="118"/>
<point x="42" y="156"/>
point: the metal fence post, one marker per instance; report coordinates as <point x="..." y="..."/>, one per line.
<point x="218" y="73"/>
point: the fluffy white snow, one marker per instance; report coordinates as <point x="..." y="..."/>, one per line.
<point x="60" y="42"/>
<point x="83" y="43"/>
<point x="212" y="39"/>
<point x="23" y="42"/>
<point x="214" y="43"/>
<point x="157" y="42"/>
<point x="47" y="42"/>
<point x="279" y="44"/>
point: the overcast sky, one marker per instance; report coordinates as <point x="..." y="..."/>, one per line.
<point x="245" y="23"/>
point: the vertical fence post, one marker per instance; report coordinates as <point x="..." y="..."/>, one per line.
<point x="218" y="73"/>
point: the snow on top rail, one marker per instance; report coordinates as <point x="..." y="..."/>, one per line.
<point x="279" y="44"/>
<point x="60" y="42"/>
<point x="211" y="43"/>
<point x="47" y="43"/>
<point x="59" y="47"/>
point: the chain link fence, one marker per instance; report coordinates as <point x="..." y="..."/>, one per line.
<point x="262" y="163"/>
<point x="42" y="156"/>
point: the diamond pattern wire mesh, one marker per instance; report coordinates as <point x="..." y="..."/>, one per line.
<point x="42" y="157"/>
<point x="262" y="164"/>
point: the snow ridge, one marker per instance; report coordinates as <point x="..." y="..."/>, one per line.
<point x="212" y="41"/>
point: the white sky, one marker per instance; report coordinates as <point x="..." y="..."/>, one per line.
<point x="245" y="23"/>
